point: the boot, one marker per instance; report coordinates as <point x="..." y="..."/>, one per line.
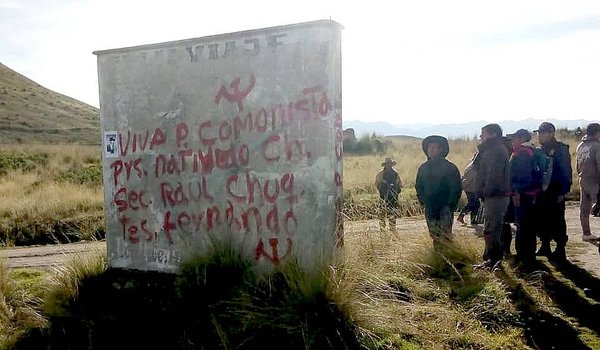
<point x="544" y="250"/>
<point x="559" y="254"/>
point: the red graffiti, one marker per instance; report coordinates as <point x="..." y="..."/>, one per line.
<point x="235" y="96"/>
<point x="130" y="232"/>
<point x="181" y="134"/>
<point x="132" y="166"/>
<point x="201" y="161"/>
<point x="261" y="253"/>
<point x="245" y="189"/>
<point x="184" y="194"/>
<point x="337" y="179"/>
<point x="243" y="220"/>
<point x="141" y="140"/>
<point x="130" y="199"/>
<point x="293" y="149"/>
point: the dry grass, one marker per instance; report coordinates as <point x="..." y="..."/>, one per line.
<point x="19" y="305"/>
<point x="360" y="171"/>
<point x="37" y="200"/>
<point x="404" y="295"/>
<point x="65" y="280"/>
<point x="43" y="199"/>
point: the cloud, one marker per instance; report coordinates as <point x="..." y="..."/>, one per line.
<point x="547" y="31"/>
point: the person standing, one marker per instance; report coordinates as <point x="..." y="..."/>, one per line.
<point x="509" y="216"/>
<point x="389" y="185"/>
<point x="523" y="194"/>
<point x="493" y="185"/>
<point x="551" y="202"/>
<point x="588" y="169"/>
<point x="468" y="186"/>
<point x="438" y="186"/>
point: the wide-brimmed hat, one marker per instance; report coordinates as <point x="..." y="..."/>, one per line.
<point x="388" y="160"/>
<point x="522" y="134"/>
<point x="440" y="140"/>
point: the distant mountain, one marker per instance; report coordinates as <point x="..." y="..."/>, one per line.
<point x="30" y="113"/>
<point x="470" y="129"/>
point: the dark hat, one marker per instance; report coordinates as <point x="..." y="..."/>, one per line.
<point x="592" y="128"/>
<point x="388" y="160"/>
<point x="545" y="127"/>
<point x="522" y="134"/>
<point x="440" y="140"/>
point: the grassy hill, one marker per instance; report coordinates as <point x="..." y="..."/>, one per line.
<point x="30" y="113"/>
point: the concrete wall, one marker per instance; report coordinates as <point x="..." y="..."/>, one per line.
<point x="229" y="137"/>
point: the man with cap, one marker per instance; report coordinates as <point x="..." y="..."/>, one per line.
<point x="523" y="194"/>
<point x="588" y="169"/>
<point x="389" y="185"/>
<point x="493" y="185"/>
<point x="438" y="186"/>
<point x="551" y="202"/>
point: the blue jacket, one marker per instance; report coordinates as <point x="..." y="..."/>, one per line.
<point x="521" y="168"/>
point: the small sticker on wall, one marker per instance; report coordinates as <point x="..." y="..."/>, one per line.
<point x="111" y="150"/>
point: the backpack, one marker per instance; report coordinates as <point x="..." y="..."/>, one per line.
<point x="469" y="178"/>
<point x="542" y="169"/>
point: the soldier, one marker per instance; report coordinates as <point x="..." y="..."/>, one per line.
<point x="551" y="202"/>
<point x="389" y="185"/>
<point x="438" y="186"/>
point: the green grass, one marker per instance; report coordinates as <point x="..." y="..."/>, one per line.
<point x="20" y="299"/>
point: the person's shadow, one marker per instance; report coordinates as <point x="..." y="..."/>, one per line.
<point x="582" y="278"/>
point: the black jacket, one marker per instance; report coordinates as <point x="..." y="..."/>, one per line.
<point x="438" y="181"/>
<point x="562" y="172"/>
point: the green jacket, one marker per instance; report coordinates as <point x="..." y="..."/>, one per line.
<point x="438" y="184"/>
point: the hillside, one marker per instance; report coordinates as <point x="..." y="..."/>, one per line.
<point x="454" y="130"/>
<point x="30" y="113"/>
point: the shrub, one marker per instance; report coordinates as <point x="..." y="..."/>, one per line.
<point x="21" y="161"/>
<point x="83" y="175"/>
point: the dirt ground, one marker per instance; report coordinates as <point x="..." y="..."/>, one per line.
<point x="581" y="253"/>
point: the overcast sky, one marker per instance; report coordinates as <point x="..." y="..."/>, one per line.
<point x="417" y="61"/>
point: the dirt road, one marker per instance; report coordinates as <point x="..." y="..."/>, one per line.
<point x="580" y="253"/>
<point x="48" y="255"/>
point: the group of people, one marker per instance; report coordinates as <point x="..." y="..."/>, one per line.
<point x="514" y="180"/>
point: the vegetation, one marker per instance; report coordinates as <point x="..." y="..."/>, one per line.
<point x="367" y="144"/>
<point x="30" y="113"/>
<point x="21" y="294"/>
<point x="50" y="194"/>
<point x="385" y="292"/>
<point x="89" y="306"/>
